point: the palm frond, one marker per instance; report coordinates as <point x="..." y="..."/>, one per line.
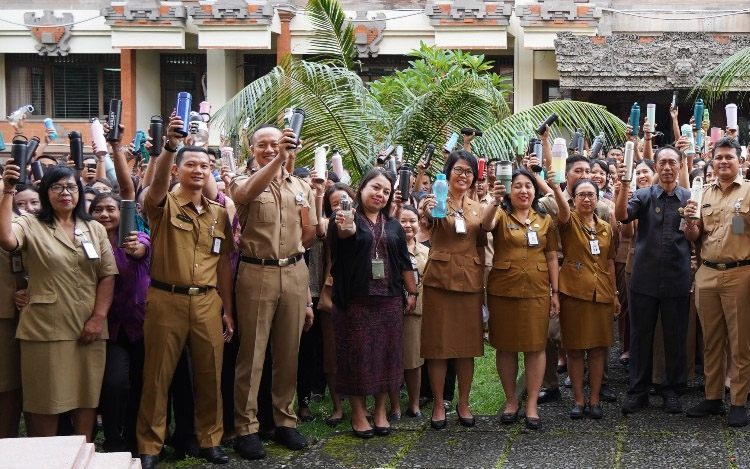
<point x="332" y="38"/>
<point x="338" y="108"/>
<point x="499" y="139"/>
<point x="733" y="73"/>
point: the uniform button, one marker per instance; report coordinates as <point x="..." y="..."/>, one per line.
<point x="283" y="224"/>
<point x="196" y="265"/>
<point x="282" y="243"/>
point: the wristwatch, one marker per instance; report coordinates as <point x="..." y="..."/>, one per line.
<point x="412" y="294"/>
<point x="309" y="305"/>
<point x="168" y="148"/>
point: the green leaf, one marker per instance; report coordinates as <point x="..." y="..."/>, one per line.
<point x="332" y="38"/>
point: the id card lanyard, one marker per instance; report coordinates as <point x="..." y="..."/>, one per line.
<point x="88" y="246"/>
<point x="378" y="268"/>
<point x="593" y="241"/>
<point x="531" y="235"/>
<point x="738" y="224"/>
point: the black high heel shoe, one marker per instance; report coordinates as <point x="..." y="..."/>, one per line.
<point x="364" y="434"/>
<point x="465" y="422"/>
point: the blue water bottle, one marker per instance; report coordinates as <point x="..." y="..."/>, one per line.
<point x="440" y="189"/>
<point x="50" y="126"/>
<point x="2" y="142"/>
<point x="698" y="116"/>
<point x="184" y="104"/>
<point x="635" y="118"/>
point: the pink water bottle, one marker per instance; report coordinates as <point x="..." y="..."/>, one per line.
<point x="337" y="164"/>
<point x="204" y="109"/>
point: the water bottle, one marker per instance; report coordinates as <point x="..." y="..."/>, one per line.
<point x="337" y="164"/>
<point x="687" y="131"/>
<point x="547" y="122"/>
<point x="31" y="148"/>
<point x="559" y="155"/>
<point x="97" y="134"/>
<point x="346" y="211"/>
<point x="716" y="133"/>
<point x="50" y="126"/>
<point x="573" y="145"/>
<point x="404" y="181"/>
<point x="504" y="173"/>
<point x="440" y="189"/>
<point x="481" y="165"/>
<point x="392" y="165"/>
<point x="581" y="142"/>
<point x="451" y="143"/>
<point x="696" y="195"/>
<point x="156" y="129"/>
<point x="184" y="104"/>
<point x="429" y="153"/>
<point x="204" y="109"/>
<point x="227" y="159"/>
<point x="321" y="158"/>
<point x="520" y="143"/>
<point x="539" y="153"/>
<point x="698" y="113"/>
<point x="113" y="120"/>
<point x="635" y="118"/>
<point x="400" y="154"/>
<point x="296" y="121"/>
<point x="2" y="142"/>
<point x="651" y="115"/>
<point x="37" y="170"/>
<point x="127" y="220"/>
<point x="19" y="153"/>
<point x="627" y="161"/>
<point x="596" y="147"/>
<point x="76" y="149"/>
<point x="16" y="117"/>
<point x="731" y="110"/>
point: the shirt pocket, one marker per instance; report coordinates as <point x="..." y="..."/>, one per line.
<point x="542" y="267"/>
<point x="501" y="265"/>
<point x="263" y="208"/>
<point x="181" y="230"/>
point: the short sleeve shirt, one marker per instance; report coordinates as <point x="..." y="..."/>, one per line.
<point x="719" y="243"/>
<point x="62" y="279"/>
<point x="183" y="241"/>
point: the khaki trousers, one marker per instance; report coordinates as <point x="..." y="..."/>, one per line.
<point x="723" y="299"/>
<point x="271" y="304"/>
<point x="172" y="320"/>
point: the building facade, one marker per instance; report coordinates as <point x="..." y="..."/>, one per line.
<point x="69" y="58"/>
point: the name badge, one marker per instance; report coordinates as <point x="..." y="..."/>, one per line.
<point x="594" y="245"/>
<point x="216" y="246"/>
<point x="533" y="238"/>
<point x="738" y="224"/>
<point x="378" y="269"/>
<point x="460" y="224"/>
<point x="16" y="263"/>
<point x="416" y="276"/>
<point x="683" y="225"/>
<point x="90" y="250"/>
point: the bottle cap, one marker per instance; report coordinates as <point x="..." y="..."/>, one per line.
<point x="440" y="177"/>
<point x="559" y="141"/>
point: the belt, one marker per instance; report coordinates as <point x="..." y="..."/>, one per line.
<point x="178" y="289"/>
<point x="726" y="266"/>
<point x="277" y="262"/>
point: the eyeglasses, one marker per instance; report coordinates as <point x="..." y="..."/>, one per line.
<point x="59" y="188"/>
<point x="586" y="195"/>
<point x="458" y="171"/>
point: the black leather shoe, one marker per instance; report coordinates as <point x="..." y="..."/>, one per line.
<point x="214" y="455"/>
<point x="249" y="447"/>
<point x="549" y="395"/>
<point x="596" y="412"/>
<point x="333" y="421"/>
<point x="606" y="394"/>
<point x="707" y="407"/>
<point x="363" y="434"/>
<point x="465" y="421"/>
<point x="290" y="437"/>
<point x="633" y="404"/>
<point x="533" y="423"/>
<point x="304" y="415"/>
<point x="382" y="431"/>
<point x="737" y="416"/>
<point x="671" y="404"/>
<point x="413" y="415"/>
<point x="395" y="417"/>
<point x="509" y="418"/>
<point x="186" y="448"/>
<point x="576" y="412"/>
<point x="438" y="424"/>
<point x="149" y="461"/>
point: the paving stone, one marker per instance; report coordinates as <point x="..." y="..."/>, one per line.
<point x="561" y="451"/>
<point x="681" y="450"/>
<point x="442" y="449"/>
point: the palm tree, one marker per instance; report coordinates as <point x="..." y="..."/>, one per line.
<point x="733" y="73"/>
<point x="441" y="92"/>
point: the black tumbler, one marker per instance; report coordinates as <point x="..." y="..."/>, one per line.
<point x="404" y="181"/>
<point x="296" y="121"/>
<point x="113" y="120"/>
<point x="127" y="219"/>
<point x="37" y="170"/>
<point x="76" y="149"/>
<point x="157" y="132"/>
<point x="20" y="154"/>
<point x="429" y="153"/>
<point x="31" y="148"/>
<point x="548" y="122"/>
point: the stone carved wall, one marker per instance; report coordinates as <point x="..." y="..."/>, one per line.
<point x="467" y="12"/>
<point x="52" y="33"/>
<point x="231" y="11"/>
<point x="572" y="13"/>
<point x="628" y="62"/>
<point x="368" y="32"/>
<point x="145" y="12"/>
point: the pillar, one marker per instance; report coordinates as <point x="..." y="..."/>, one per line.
<point x="127" y="91"/>
<point x="148" y="87"/>
<point x="221" y="82"/>
<point x="523" y="72"/>
<point x="284" y="41"/>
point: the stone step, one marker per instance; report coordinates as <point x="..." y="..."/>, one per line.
<point x="60" y="452"/>
<point x="112" y="461"/>
<point x="84" y="456"/>
<point x="135" y="464"/>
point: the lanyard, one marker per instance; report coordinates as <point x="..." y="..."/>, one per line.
<point x="371" y="225"/>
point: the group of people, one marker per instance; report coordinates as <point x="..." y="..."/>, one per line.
<point x="236" y="293"/>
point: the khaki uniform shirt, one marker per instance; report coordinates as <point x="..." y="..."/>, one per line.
<point x="520" y="271"/>
<point x="548" y="203"/>
<point x="584" y="275"/>
<point x="272" y="222"/>
<point x="489" y="251"/>
<point x="62" y="280"/>
<point x="7" y="285"/>
<point x="454" y="264"/>
<point x="718" y="242"/>
<point x="419" y="255"/>
<point x="182" y="240"/>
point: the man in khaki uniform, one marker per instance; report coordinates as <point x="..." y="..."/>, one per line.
<point x="277" y="216"/>
<point x="191" y="238"/>
<point x="722" y="282"/>
<point x="576" y="168"/>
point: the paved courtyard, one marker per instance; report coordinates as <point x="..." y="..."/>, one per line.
<point x="648" y="439"/>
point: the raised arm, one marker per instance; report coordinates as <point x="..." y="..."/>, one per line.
<point x="489" y="220"/>
<point x="159" y="187"/>
<point x="263" y="177"/>
<point x="122" y="170"/>
<point x="8" y="240"/>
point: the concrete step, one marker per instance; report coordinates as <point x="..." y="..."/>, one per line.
<point x="135" y="464"/>
<point x="84" y="456"/>
<point x="61" y="452"/>
<point x="111" y="461"/>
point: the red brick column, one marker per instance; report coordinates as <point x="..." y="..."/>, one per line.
<point x="284" y="41"/>
<point x="127" y="91"/>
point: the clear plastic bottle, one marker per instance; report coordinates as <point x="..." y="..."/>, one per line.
<point x="346" y="211"/>
<point x="696" y="194"/>
<point x="440" y="189"/>
<point x="687" y="131"/>
<point x="559" y="155"/>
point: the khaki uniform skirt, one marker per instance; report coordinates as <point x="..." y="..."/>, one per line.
<point x="451" y="324"/>
<point x="518" y="324"/>
<point x="412" y="335"/>
<point x="585" y="324"/>
<point x="61" y="375"/>
<point x="10" y="356"/>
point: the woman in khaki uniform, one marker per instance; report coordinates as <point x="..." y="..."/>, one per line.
<point x="10" y="353"/>
<point x="454" y="287"/>
<point x="63" y="328"/>
<point x="412" y="326"/>
<point x="588" y="290"/>
<point x="524" y="271"/>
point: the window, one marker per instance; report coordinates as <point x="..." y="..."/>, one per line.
<point x="77" y="86"/>
<point x="181" y="72"/>
<point x="255" y="66"/>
